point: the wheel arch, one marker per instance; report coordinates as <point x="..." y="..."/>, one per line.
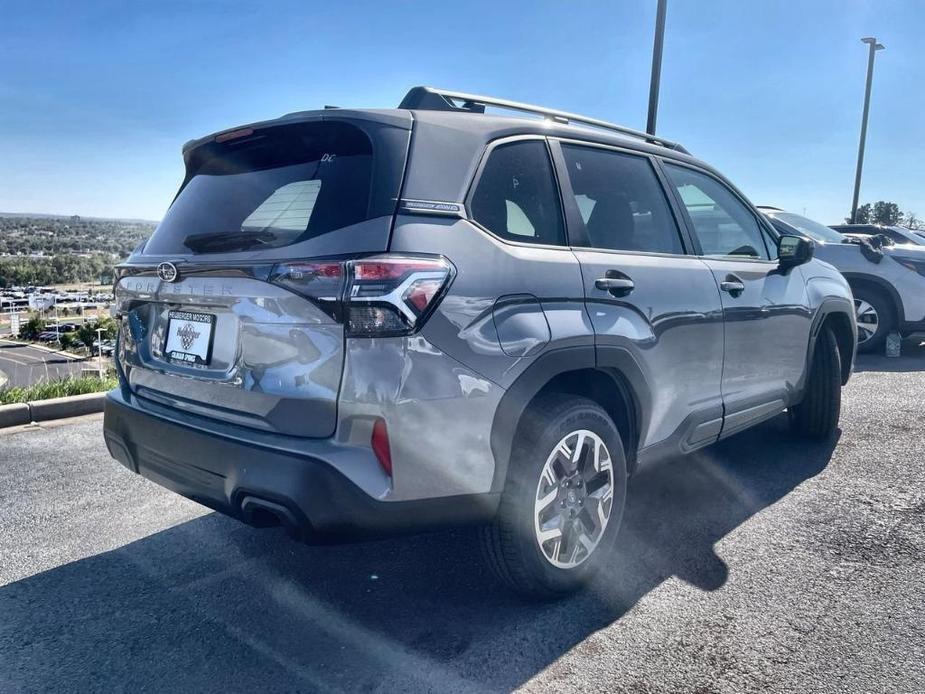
<point x="837" y="315"/>
<point x="573" y="371"/>
<point x="858" y="279"/>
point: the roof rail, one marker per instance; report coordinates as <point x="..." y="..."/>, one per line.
<point x="433" y="99"/>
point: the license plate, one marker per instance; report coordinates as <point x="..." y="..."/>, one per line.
<point x="189" y="337"/>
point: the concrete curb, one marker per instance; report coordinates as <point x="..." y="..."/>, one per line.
<point x="53" y="408"/>
<point x="14" y="415"/>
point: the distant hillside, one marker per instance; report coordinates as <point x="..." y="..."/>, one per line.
<point x="53" y="235"/>
<point x="46" y="249"/>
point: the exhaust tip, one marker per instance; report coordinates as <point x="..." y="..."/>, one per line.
<point x="266" y="514"/>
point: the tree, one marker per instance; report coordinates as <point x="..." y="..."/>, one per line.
<point x="863" y="216"/>
<point x="881" y="212"/>
<point x="87" y="331"/>
<point x="887" y="213"/>
<point x="32" y="327"/>
<point x="913" y="222"/>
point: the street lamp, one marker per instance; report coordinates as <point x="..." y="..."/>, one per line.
<point x="874" y="47"/>
<point x="99" y="353"/>
<point x="656" y="77"/>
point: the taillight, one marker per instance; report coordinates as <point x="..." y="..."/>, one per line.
<point x="322" y="282"/>
<point x="374" y="297"/>
<point x="392" y="295"/>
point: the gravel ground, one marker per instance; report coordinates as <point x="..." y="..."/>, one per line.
<point x="760" y="564"/>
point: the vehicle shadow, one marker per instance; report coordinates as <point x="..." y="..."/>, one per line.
<point x="211" y="604"/>
<point x="912" y="359"/>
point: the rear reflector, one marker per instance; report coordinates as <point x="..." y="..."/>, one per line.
<point x="380" y="445"/>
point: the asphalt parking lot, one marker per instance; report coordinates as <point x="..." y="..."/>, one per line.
<point x="760" y="564"/>
<point x="22" y="364"/>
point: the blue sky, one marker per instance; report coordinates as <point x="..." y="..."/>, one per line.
<point x="96" y="98"/>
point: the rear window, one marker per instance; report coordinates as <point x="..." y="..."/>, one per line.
<point x="276" y="187"/>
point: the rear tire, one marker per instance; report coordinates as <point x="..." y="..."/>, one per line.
<point x="563" y="501"/>
<point x="876" y="318"/>
<point x="817" y="415"/>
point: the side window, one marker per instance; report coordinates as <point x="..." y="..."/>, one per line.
<point x="723" y="224"/>
<point x="516" y="196"/>
<point x="621" y="201"/>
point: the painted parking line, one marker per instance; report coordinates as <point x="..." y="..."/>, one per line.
<point x="14" y="360"/>
<point x="24" y="358"/>
<point x="42" y="349"/>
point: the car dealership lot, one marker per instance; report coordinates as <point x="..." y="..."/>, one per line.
<point x="758" y="564"/>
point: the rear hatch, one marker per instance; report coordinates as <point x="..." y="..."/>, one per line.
<point x="230" y="309"/>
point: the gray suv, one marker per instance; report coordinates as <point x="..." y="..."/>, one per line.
<point x="363" y="322"/>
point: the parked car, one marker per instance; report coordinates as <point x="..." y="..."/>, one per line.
<point x="897" y="234"/>
<point x="375" y="321"/>
<point x="888" y="283"/>
<point x="52" y="333"/>
<point x="106" y="347"/>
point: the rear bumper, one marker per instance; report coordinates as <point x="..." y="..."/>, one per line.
<point x="257" y="484"/>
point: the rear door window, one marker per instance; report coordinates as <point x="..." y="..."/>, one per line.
<point x="516" y="196"/>
<point x="273" y="188"/>
<point x="621" y="201"/>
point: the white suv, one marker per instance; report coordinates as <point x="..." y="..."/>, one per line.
<point x="888" y="281"/>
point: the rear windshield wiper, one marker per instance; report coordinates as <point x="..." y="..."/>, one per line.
<point x="228" y="241"/>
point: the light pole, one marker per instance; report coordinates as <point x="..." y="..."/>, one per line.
<point x="656" y="78"/>
<point x="99" y="354"/>
<point x="874" y="47"/>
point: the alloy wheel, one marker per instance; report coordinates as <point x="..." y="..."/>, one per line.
<point x="868" y="320"/>
<point x="574" y="499"/>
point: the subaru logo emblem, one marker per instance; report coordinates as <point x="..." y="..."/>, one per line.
<point x="167" y="272"/>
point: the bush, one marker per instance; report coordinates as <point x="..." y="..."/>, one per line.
<point x="32" y="327"/>
<point x="57" y="389"/>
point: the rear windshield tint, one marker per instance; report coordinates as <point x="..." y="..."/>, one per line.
<point x="273" y="188"/>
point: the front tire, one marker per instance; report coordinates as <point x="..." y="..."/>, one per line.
<point x="563" y="502"/>
<point x="818" y="414"/>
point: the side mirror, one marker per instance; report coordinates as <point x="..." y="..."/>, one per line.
<point x="794" y="250"/>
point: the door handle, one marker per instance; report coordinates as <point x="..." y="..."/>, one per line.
<point x="618" y="286"/>
<point x="732" y="285"/>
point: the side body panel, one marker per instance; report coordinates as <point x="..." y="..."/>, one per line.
<point x="767" y="331"/>
<point x="671" y="325"/>
<point x="493" y="280"/>
<point x="513" y="318"/>
<point x="438" y="413"/>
